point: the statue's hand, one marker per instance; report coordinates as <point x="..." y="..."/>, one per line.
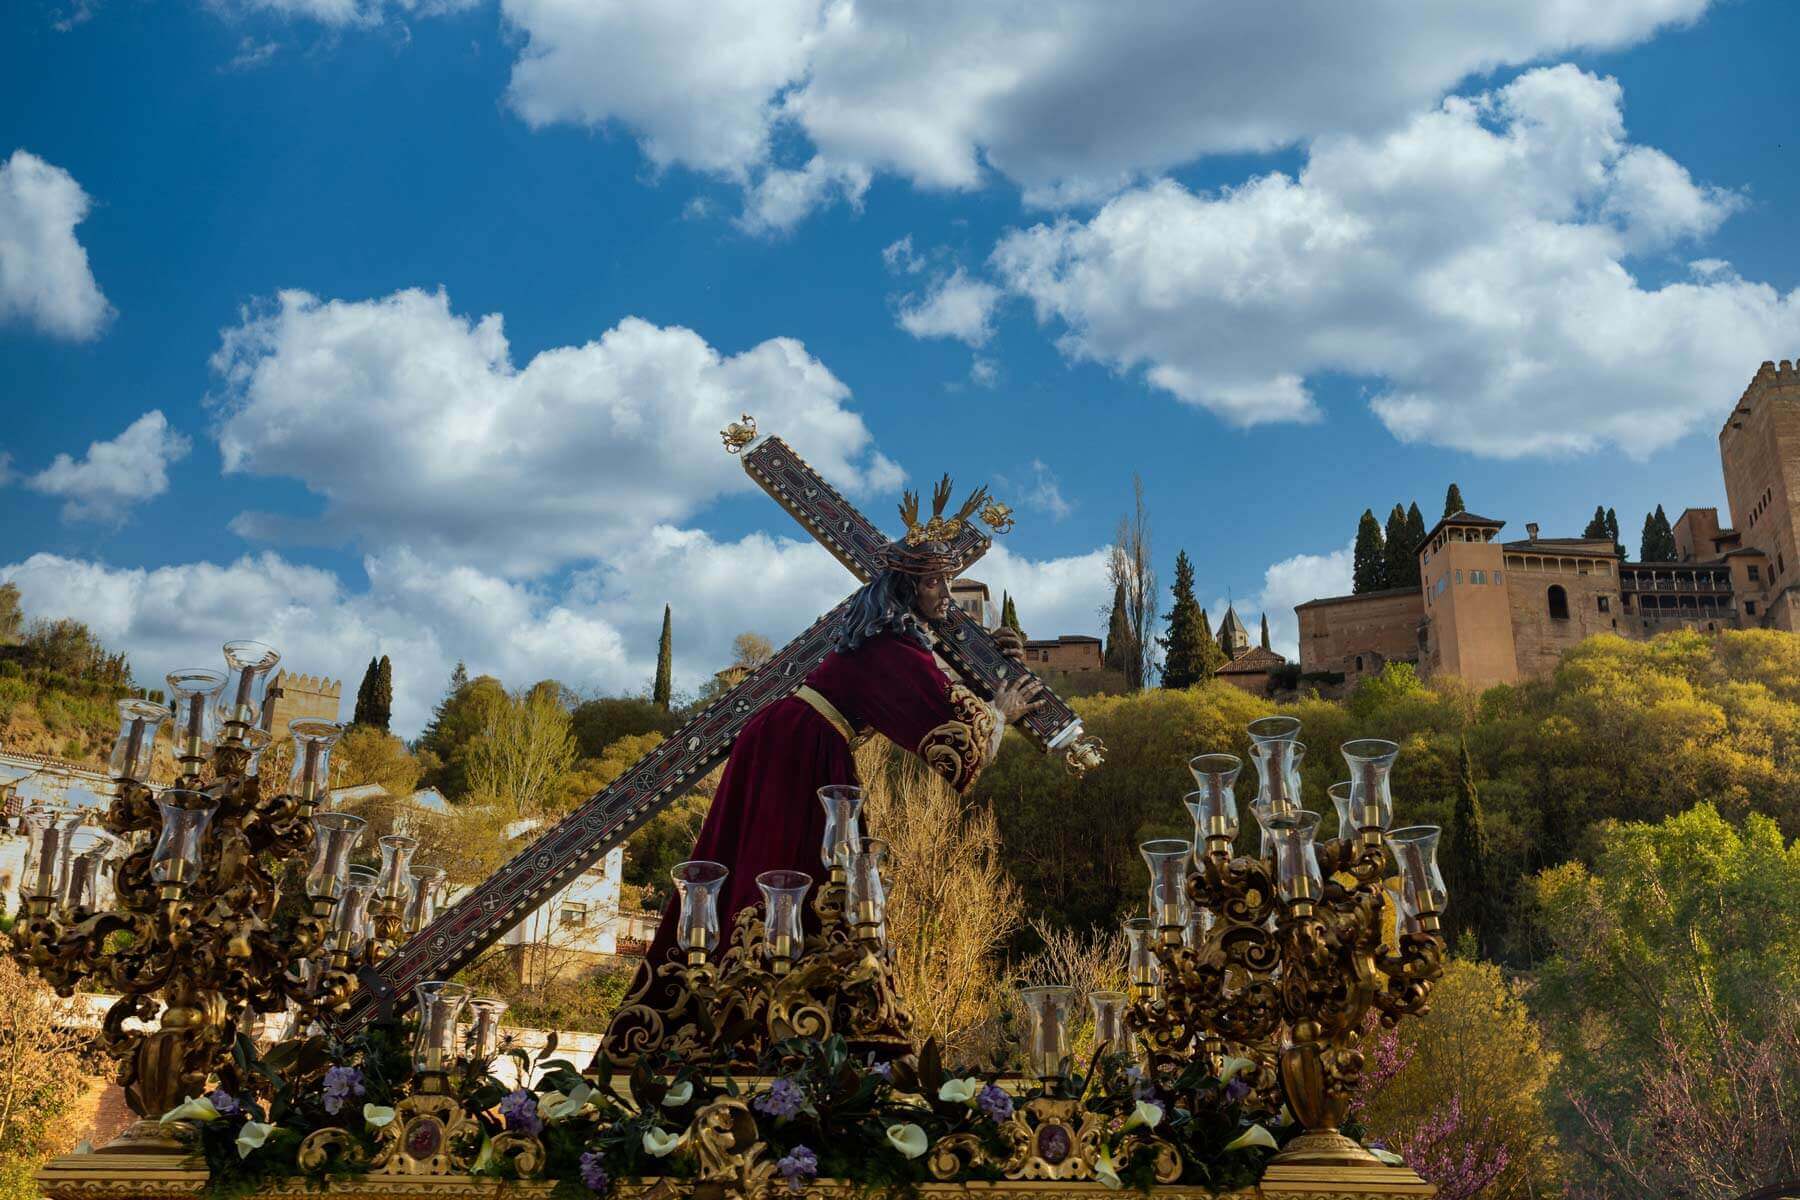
<point x="1011" y="643"/>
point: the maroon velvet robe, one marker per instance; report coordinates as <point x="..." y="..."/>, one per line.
<point x="767" y="816"/>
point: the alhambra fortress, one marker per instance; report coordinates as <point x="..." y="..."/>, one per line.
<point x="1494" y="611"/>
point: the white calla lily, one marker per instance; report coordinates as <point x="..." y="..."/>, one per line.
<point x="960" y="1091"/>
<point x="554" y="1106"/>
<point x="1256" y="1135"/>
<point x="252" y="1135"/>
<point x="678" y="1095"/>
<point x="1387" y="1157"/>
<point x="908" y="1139"/>
<point x="1230" y="1067"/>
<point x="377" y="1115"/>
<point x="659" y="1143"/>
<point x="1145" y="1116"/>
<point x="192" y="1109"/>
<point x="1106" y="1171"/>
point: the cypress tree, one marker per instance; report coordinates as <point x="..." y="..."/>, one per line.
<point x="1212" y="655"/>
<point x="1612" y="531"/>
<point x="381" y="698"/>
<point x="459" y="678"/>
<point x="363" y="714"/>
<point x="432" y="738"/>
<point x="1453" y="501"/>
<point x="1183" y="653"/>
<point x="1658" y="541"/>
<point x="1401" y="564"/>
<point x="1265" y="633"/>
<point x="1009" y="616"/>
<point x="1470" y="862"/>
<point x="1119" y="650"/>
<point x="1596" y="528"/>
<point x="1369" y="566"/>
<point x="665" y="663"/>
<point x="1666" y="536"/>
<point x="1415" y="532"/>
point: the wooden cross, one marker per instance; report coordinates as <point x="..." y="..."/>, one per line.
<point x="479" y="919"/>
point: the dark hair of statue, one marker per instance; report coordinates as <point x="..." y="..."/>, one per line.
<point x="883" y="605"/>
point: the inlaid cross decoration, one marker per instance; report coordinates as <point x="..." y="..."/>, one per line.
<point x="464" y="929"/>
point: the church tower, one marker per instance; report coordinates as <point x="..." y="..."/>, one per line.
<point x="1234" y="639"/>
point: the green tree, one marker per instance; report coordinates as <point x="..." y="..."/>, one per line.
<point x="454" y="727"/>
<point x="381" y="700"/>
<point x="365" y="692"/>
<point x="1400" y="563"/>
<point x="1184" y="658"/>
<point x="665" y="662"/>
<point x="1415" y="531"/>
<point x="41" y="1081"/>
<point x="1009" y="616"/>
<point x="1369" y="565"/>
<point x="1212" y="654"/>
<point x="1120" y="652"/>
<point x="520" y="753"/>
<point x="1265" y="633"/>
<point x="1612" y="531"/>
<point x="597" y="724"/>
<point x="1453" y="501"/>
<point x="1596" y="528"/>
<point x="1470" y="875"/>
<point x="1658" y="541"/>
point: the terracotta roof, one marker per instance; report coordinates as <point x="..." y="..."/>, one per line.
<point x="1598" y="547"/>
<point x="1462" y="518"/>
<point x="1254" y="661"/>
<point x="1384" y="593"/>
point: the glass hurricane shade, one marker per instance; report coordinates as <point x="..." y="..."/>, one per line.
<point x="865" y="899"/>
<point x="1371" y="803"/>
<point x="310" y="776"/>
<point x="1278" y="774"/>
<point x="334" y="837"/>
<point x="843" y="823"/>
<point x="175" y="860"/>
<point x="427" y="888"/>
<point x="1047" y="1013"/>
<point x="196" y="694"/>
<point x="134" y="750"/>
<point x="396" y="866"/>
<point x="350" y="921"/>
<point x="47" y="837"/>
<point x="1200" y="923"/>
<point x="1110" y="1034"/>
<point x="1414" y="853"/>
<point x="484" y="1027"/>
<point x="255" y="741"/>
<point x="440" y="1007"/>
<point x="1140" y="941"/>
<point x="82" y="868"/>
<point x="1213" y="804"/>
<point x="1293" y="835"/>
<point x="1167" y="859"/>
<point x="697" y="884"/>
<point x="1340" y="800"/>
<point x="784" y="894"/>
<point x="247" y="680"/>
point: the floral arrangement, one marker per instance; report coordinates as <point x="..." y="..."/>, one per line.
<point x="821" y="1111"/>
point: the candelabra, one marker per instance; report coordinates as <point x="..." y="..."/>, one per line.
<point x="1280" y="957"/>
<point x="195" y="936"/>
<point x="776" y="979"/>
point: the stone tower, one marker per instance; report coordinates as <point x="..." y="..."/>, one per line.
<point x="1760" y="450"/>
<point x="292" y="697"/>
<point x="1468" y="615"/>
<point x="1234" y="639"/>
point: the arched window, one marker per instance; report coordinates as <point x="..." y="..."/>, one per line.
<point x="1559" y="602"/>
<point x="1359" y="662"/>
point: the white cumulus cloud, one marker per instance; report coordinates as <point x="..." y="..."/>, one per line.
<point x="955" y="306"/>
<point x="45" y="280"/>
<point x="113" y="476"/>
<point x="1472" y="263"/>
<point x="417" y="429"/>
<point x="1068" y="99"/>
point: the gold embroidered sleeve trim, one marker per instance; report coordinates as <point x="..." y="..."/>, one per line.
<point x="957" y="749"/>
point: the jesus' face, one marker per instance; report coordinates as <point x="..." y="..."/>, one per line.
<point x="933" y="600"/>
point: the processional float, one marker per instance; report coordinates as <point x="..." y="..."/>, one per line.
<point x="1254" y="977"/>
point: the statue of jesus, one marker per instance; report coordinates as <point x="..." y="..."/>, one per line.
<point x="882" y="676"/>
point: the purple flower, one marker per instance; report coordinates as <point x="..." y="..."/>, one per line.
<point x="341" y="1083"/>
<point x="995" y="1103"/>
<point x="224" y="1102"/>
<point x="884" y="1069"/>
<point x="783" y="1100"/>
<point x="800" y="1166"/>
<point x="592" y="1172"/>
<point x="1236" y="1090"/>
<point x="521" y="1112"/>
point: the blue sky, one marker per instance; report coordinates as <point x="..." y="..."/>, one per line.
<point x="1284" y="271"/>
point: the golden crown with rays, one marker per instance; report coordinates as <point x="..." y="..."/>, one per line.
<point x="926" y="546"/>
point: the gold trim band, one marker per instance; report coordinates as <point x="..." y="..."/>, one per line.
<point x="828" y="710"/>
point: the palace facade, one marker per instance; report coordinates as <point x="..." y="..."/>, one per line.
<point x="1493" y="611"/>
